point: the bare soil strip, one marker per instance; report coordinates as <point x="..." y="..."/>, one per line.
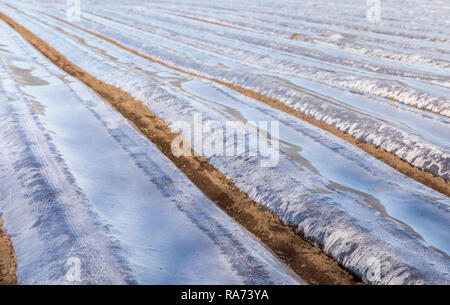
<point x="7" y="260"/>
<point x="204" y="20"/>
<point x="305" y="259"/>
<point x="437" y="183"/>
<point x="393" y="99"/>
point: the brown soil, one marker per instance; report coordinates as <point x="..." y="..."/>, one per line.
<point x="7" y="260"/>
<point x="437" y="183"/>
<point x="413" y="106"/>
<point x="206" y="21"/>
<point x="306" y="260"/>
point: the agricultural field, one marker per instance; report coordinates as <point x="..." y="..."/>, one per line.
<point x="224" y="142"/>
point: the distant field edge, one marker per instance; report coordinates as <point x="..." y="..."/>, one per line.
<point x="437" y="183"/>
